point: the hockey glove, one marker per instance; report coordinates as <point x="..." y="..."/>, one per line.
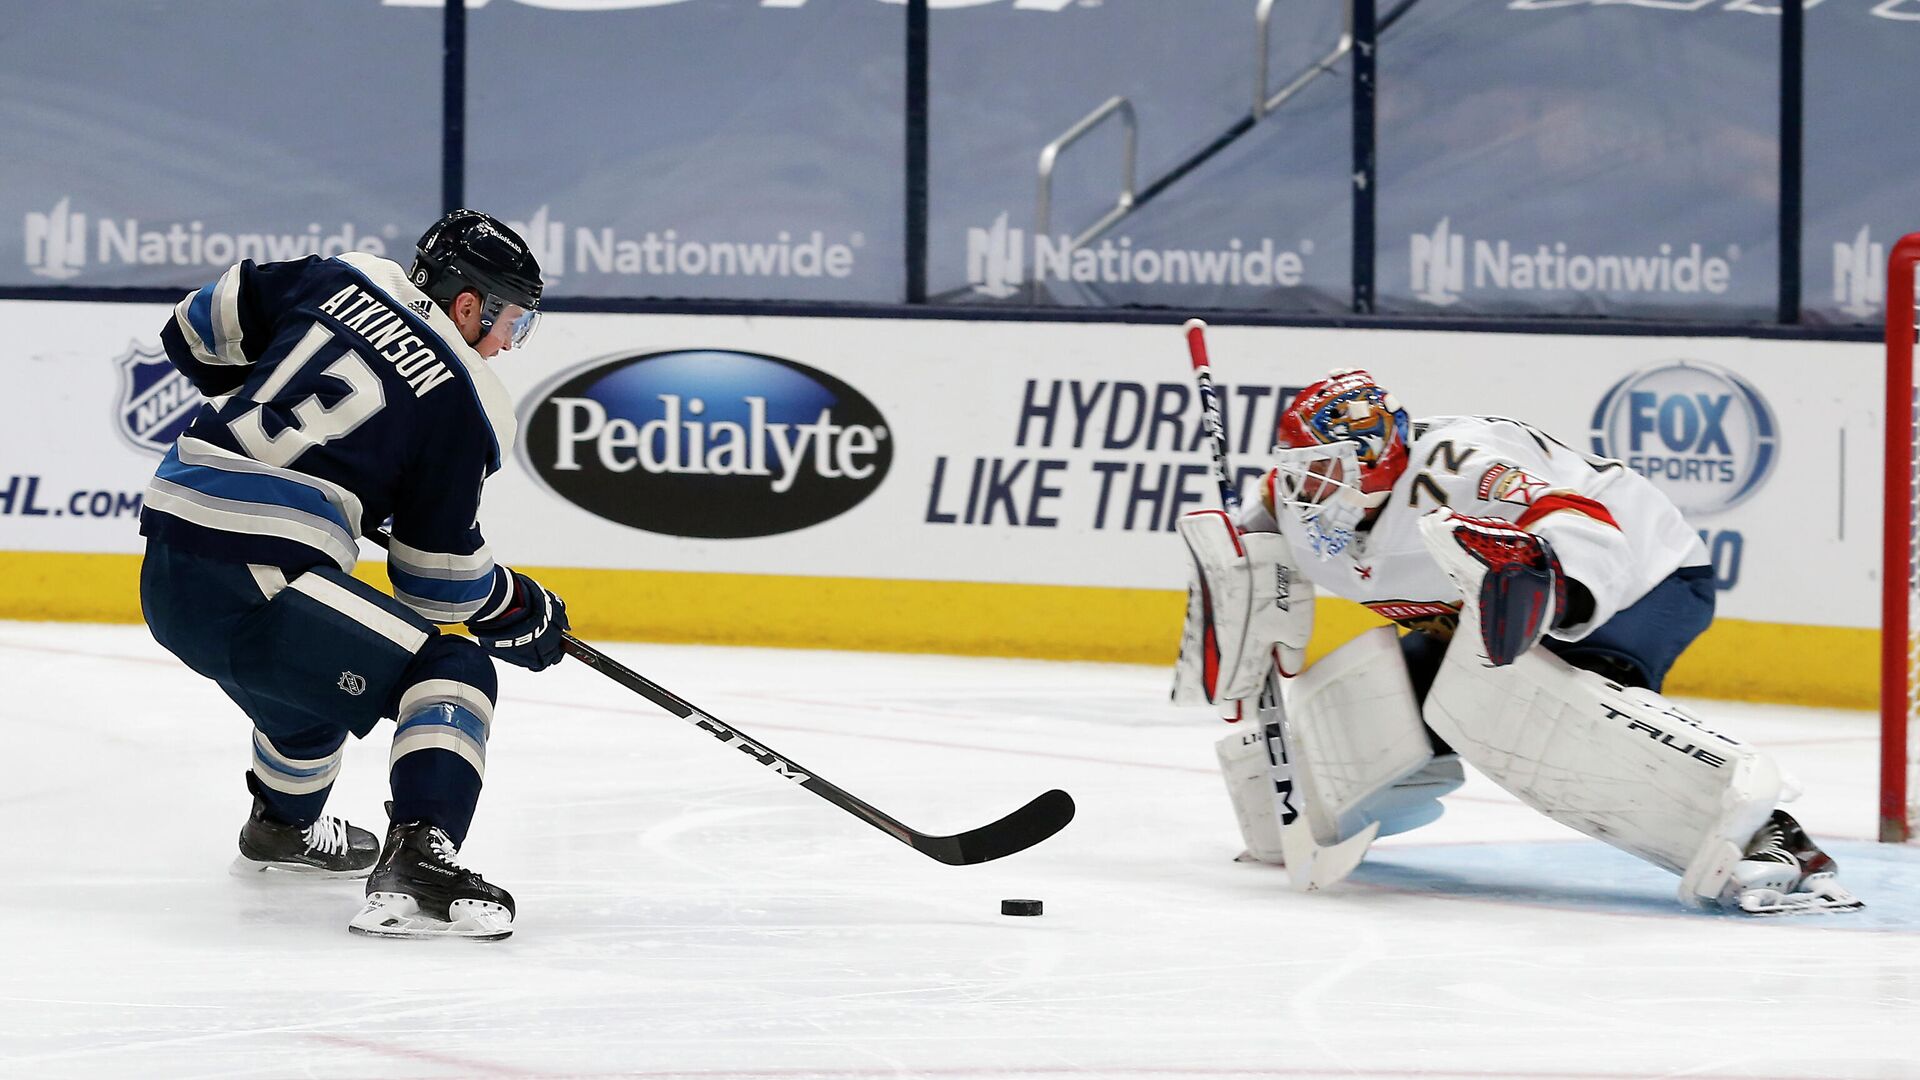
<point x="527" y="633"/>
<point x="1514" y="575"/>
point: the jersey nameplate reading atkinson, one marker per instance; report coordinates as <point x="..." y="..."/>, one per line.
<point x="391" y="335"/>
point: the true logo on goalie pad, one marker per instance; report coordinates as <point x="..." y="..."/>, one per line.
<point x="1690" y="750"/>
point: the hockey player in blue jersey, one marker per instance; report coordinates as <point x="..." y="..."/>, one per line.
<point x="345" y="393"/>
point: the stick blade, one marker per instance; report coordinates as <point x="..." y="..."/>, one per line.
<point x="1045" y="815"/>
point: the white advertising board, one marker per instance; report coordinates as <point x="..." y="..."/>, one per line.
<point x="1029" y="453"/>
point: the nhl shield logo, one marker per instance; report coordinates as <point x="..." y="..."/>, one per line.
<point x="156" y="401"/>
<point x="352" y="683"/>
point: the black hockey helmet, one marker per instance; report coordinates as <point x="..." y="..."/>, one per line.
<point x="470" y="250"/>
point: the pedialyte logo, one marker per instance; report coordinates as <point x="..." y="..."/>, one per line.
<point x="707" y="443"/>
<point x="156" y="401"/>
<point x="1702" y="434"/>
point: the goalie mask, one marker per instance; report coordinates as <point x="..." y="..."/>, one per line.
<point x="1341" y="445"/>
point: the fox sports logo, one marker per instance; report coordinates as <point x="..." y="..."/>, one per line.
<point x="707" y="443"/>
<point x="1702" y="434"/>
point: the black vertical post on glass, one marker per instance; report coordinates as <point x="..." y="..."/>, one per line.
<point x="916" y="238"/>
<point x="453" y="108"/>
<point x="1364" y="37"/>
<point x="1792" y="100"/>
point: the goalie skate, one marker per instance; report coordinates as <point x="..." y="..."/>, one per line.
<point x="1785" y="873"/>
<point x="418" y="891"/>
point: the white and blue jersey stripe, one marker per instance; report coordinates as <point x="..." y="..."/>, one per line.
<point x="214" y="488"/>
<point x="442" y="587"/>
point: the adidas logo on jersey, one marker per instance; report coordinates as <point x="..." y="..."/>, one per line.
<point x="420" y="307"/>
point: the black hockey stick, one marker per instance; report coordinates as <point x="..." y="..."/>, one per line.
<point x="1018" y="831"/>
<point x="1045" y="815"/>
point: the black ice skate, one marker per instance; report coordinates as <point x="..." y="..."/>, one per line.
<point x="327" y="848"/>
<point x="418" y="891"/>
<point x="1785" y="873"/>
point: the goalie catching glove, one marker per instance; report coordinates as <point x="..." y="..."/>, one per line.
<point x="1514" y="575"/>
<point x="1247" y="608"/>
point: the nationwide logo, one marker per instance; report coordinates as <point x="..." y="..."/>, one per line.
<point x="1702" y="434"/>
<point x="1859" y="275"/>
<point x="1444" y="265"/>
<point x="56" y="242"/>
<point x="707" y="443"/>
<point x="995" y="263"/>
<point x="547" y="240"/>
<point x="665" y="253"/>
<point x="1439" y="265"/>
<point x="59" y="243"/>
<point x="156" y="401"/>
<point x="998" y="260"/>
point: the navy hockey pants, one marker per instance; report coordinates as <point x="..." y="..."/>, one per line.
<point x="1637" y="647"/>
<point x="317" y="656"/>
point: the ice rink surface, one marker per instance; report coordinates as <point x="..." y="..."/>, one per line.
<point x="683" y="913"/>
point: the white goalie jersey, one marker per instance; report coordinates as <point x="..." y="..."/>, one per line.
<point x="1612" y="530"/>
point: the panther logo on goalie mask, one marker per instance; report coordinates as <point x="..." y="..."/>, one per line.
<point x="1349" y="406"/>
<point x="156" y="401"/>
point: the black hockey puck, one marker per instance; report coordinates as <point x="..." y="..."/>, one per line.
<point x="1019" y="907"/>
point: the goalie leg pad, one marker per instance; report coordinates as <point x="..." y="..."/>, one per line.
<point x="1622" y="765"/>
<point x="1361" y="753"/>
<point x="1347" y="752"/>
<point x="1250" y="787"/>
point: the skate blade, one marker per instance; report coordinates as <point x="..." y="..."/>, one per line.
<point x="397" y="915"/>
<point x="1770" y="904"/>
<point x="243" y="867"/>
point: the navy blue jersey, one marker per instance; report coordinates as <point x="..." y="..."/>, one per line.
<point x="339" y="396"/>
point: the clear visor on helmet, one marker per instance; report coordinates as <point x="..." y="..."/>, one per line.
<point x="509" y="322"/>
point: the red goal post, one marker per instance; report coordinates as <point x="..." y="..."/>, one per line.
<point x="1900" y="578"/>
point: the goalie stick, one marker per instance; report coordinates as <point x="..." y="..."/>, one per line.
<point x="1039" y="819"/>
<point x="1309" y="865"/>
